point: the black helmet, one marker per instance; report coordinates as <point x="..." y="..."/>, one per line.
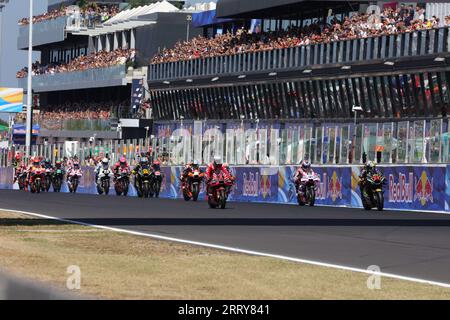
<point x="306" y="165"/>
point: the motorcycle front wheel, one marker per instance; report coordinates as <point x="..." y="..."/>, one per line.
<point x="312" y="197"/>
<point x="195" y="192"/>
<point x="157" y="187"/>
<point x="222" y="199"/>
<point x="380" y="200"/>
<point x="299" y="200"/>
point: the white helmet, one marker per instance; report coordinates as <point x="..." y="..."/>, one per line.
<point x="217" y="161"/>
<point x="105" y="161"/>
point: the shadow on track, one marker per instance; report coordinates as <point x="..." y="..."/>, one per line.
<point x="9" y="222"/>
<point x="233" y="222"/>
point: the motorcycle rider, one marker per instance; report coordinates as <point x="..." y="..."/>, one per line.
<point x="47" y="164"/>
<point x="143" y="164"/>
<point x="215" y="168"/>
<point x="156" y="166"/>
<point x="35" y="165"/>
<point x="368" y="168"/>
<point x="226" y="167"/>
<point x="75" y="166"/>
<point x="102" y="166"/>
<point x="59" y="166"/>
<point x="121" y="165"/>
<point x="188" y="168"/>
<point x="19" y="165"/>
<point x="302" y="171"/>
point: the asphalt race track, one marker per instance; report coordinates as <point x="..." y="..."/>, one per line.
<point x="403" y="243"/>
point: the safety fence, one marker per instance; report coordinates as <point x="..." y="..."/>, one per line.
<point x="414" y="187"/>
<point x="268" y="143"/>
<point x="409" y="44"/>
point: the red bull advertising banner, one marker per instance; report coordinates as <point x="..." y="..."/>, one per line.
<point x="255" y="184"/>
<point x="333" y="188"/>
<point x="409" y="187"/>
<point x="447" y="189"/>
<point x="417" y="188"/>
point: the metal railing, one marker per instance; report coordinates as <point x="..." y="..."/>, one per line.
<point x="417" y="43"/>
<point x="276" y="143"/>
<point x="113" y="75"/>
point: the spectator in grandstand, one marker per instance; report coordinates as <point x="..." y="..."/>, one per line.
<point x="100" y="59"/>
<point x="361" y="25"/>
<point x="92" y="11"/>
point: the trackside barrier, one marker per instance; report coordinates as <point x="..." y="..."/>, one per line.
<point x="414" y="187"/>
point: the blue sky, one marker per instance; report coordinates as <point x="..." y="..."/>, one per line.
<point x="11" y="59"/>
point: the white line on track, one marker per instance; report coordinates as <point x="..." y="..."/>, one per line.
<point x="232" y="249"/>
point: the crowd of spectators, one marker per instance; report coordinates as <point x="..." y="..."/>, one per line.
<point x="91" y="111"/>
<point x="100" y="59"/>
<point x="360" y="25"/>
<point x="71" y="111"/>
<point x="90" y="14"/>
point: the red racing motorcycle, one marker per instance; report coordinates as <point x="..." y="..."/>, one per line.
<point x="218" y="187"/>
<point x="37" y="177"/>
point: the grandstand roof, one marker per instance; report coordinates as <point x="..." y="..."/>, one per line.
<point x="129" y="19"/>
<point x="273" y="8"/>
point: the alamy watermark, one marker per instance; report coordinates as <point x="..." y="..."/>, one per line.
<point x="374" y="280"/>
<point x="74" y="279"/>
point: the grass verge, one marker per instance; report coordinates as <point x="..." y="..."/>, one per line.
<point x="121" y="266"/>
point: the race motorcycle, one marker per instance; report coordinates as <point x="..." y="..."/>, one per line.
<point x="190" y="187"/>
<point x="36" y="180"/>
<point x="47" y="182"/>
<point x="122" y="182"/>
<point x="143" y="182"/>
<point x="306" y="193"/>
<point x="103" y="181"/>
<point x="74" y="180"/>
<point x="218" y="187"/>
<point x="155" y="181"/>
<point x="21" y="178"/>
<point x="372" y="191"/>
<point x="57" y="179"/>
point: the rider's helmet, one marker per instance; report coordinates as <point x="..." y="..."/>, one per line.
<point x="370" y="165"/>
<point x="105" y="162"/>
<point x="18" y="156"/>
<point x="156" y="163"/>
<point x="36" y="161"/>
<point x="306" y="165"/>
<point x="144" y="161"/>
<point x="217" y="163"/>
<point x="47" y="162"/>
<point x="123" y="161"/>
<point x="58" y="163"/>
<point x="76" y="165"/>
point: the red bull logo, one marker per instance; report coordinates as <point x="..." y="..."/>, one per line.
<point x="401" y="191"/>
<point x="250" y="184"/>
<point x="334" y="187"/>
<point x="265" y="185"/>
<point x="424" y="189"/>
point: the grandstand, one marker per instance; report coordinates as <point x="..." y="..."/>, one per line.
<point x="91" y="59"/>
<point x="304" y="72"/>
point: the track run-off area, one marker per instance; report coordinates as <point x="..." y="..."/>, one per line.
<point x="406" y="245"/>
